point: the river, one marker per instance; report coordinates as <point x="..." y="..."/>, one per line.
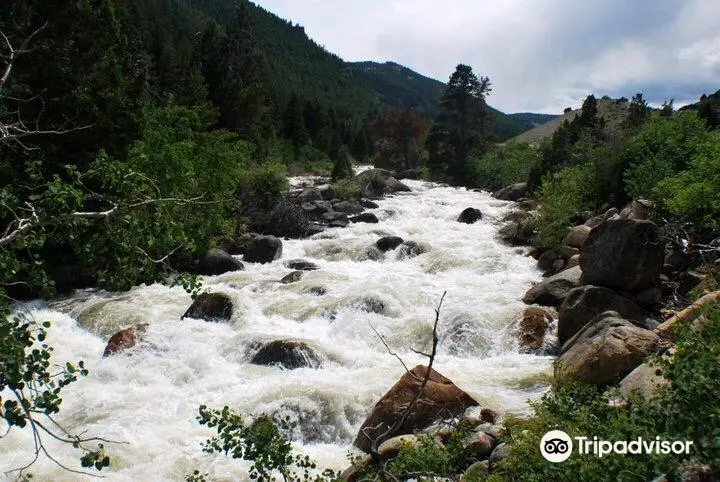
<point x="149" y="400"/>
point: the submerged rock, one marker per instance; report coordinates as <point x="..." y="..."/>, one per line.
<point x="288" y="354"/>
<point x="470" y="216"/>
<point x="293" y="277"/>
<point x="388" y="243"/>
<point x="440" y="400"/>
<point x="125" y="339"/>
<point x="210" y="307"/>
<point x="410" y="249"/>
<point x="301" y="265"/>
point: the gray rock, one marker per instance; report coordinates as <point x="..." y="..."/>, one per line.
<point x="365" y="218"/>
<point x="348" y="207"/>
<point x="388" y="243"/>
<point x="470" y="216"/>
<point x="514" y="192"/>
<point x="552" y="291"/>
<point x="217" y="261"/>
<point x="288" y="354"/>
<point x="210" y="307"/>
<point x="301" y="265"/>
<point x="264" y="249"/>
<point x="623" y="254"/>
<point x="585" y="303"/>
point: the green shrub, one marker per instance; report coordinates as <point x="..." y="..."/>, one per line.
<point x="563" y="196"/>
<point x="693" y="195"/>
<point x="348" y="189"/>
<point x="260" y="190"/>
<point x="506" y="165"/>
<point x="689" y="409"/>
<point x="343" y="168"/>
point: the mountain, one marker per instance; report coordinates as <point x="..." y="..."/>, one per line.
<point x="298" y="66"/>
<point x="613" y="111"/>
<point x="529" y="120"/>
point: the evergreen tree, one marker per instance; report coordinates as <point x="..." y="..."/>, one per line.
<point x="638" y="112"/>
<point x="460" y="128"/>
<point x="667" y="108"/>
<point x="343" y="168"/>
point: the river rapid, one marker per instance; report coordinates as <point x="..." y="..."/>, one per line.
<point x="150" y="399"/>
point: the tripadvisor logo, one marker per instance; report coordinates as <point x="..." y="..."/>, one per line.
<point x="557" y="446"/>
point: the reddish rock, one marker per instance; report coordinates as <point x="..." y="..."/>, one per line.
<point x="125" y="339"/>
<point x="480" y="444"/>
<point x="441" y="399"/>
<point x="532" y="329"/>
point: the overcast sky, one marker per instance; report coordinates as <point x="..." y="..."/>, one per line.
<point x="540" y="55"/>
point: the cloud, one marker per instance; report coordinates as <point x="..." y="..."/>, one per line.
<point x="541" y="55"/>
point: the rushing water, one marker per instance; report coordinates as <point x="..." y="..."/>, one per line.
<point x="150" y="399"/>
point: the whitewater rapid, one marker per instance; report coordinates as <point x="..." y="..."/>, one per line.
<point x="149" y="400"/>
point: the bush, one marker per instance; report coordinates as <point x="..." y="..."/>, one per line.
<point x="693" y="195"/>
<point x="689" y="409"/>
<point x="348" y="189"/>
<point x="260" y="190"/>
<point x="506" y="165"/>
<point x="343" y="168"/>
<point x="563" y="196"/>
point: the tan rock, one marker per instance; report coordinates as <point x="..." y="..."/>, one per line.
<point x="125" y="339"/>
<point x="533" y="328"/>
<point x="577" y="236"/>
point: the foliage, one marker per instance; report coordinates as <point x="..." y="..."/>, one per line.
<point x="32" y="387"/>
<point x="348" y="189"/>
<point x="662" y="149"/>
<point x="691" y="196"/>
<point x="508" y="164"/>
<point x="259" y="190"/>
<point x="263" y="442"/>
<point x="398" y="137"/>
<point x="432" y="459"/>
<point x="343" y="168"/>
<point x="562" y="197"/>
<point x="686" y="410"/>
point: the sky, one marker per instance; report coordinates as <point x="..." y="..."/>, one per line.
<point x="540" y="55"/>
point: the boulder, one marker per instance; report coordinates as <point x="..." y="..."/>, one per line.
<point x="388" y="243"/>
<point x="594" y="222"/>
<point x="567" y="252"/>
<point x="645" y="380"/>
<point x="470" y="216"/>
<point x="332" y="216"/>
<point x="477" y="471"/>
<point x="327" y="192"/>
<point x="301" y="265"/>
<point x="365" y="218"/>
<point x="553" y="290"/>
<point x="410" y="249"/>
<point x="586" y="302"/>
<point x="623" y="254"/>
<point x="379" y="182"/>
<point x="235" y="246"/>
<point x="391" y="447"/>
<point x="546" y="259"/>
<point x="573" y="261"/>
<point x="501" y="451"/>
<point x="479" y="444"/>
<point x="210" y="307"/>
<point x="605" y="350"/>
<point x="641" y="209"/>
<point x="288" y="354"/>
<point x="411" y="174"/>
<point x="293" y="277"/>
<point x="577" y="236"/>
<point x="367" y="204"/>
<point x="514" y="192"/>
<point x="315" y="210"/>
<point x="125" y="339"/>
<point x="339" y="223"/>
<point x="440" y="400"/>
<point x="532" y="329"/>
<point x="310" y="194"/>
<point x="217" y="261"/>
<point x="291" y="220"/>
<point x="264" y="249"/>
<point x="359" y="466"/>
<point x="348" y="207"/>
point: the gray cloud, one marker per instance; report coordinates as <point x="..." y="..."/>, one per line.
<point x="541" y="55"/>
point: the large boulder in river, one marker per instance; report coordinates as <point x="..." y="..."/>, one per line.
<point x="512" y="193"/>
<point x="310" y="194"/>
<point x="125" y="339"/>
<point x="470" y="216"/>
<point x="388" y="243"/>
<point x="532" y="329"/>
<point x="577" y="236"/>
<point x="217" y="261"/>
<point x="440" y="400"/>
<point x="264" y="249"/>
<point x="623" y="254"/>
<point x="553" y="290"/>
<point x="376" y="183"/>
<point x="605" y="350"/>
<point x="210" y="307"/>
<point x="292" y="220"/>
<point x="586" y="302"/>
<point x="288" y="354"/>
